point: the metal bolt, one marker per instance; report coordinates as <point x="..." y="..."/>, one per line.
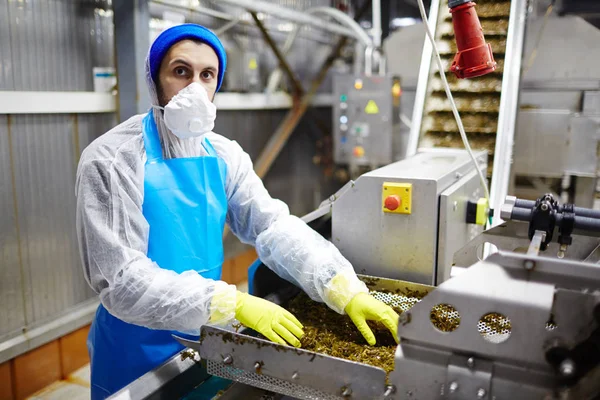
<point x="544" y="207"/>
<point x="405" y="318"/>
<point x="481" y="393"/>
<point x="453" y="387"/>
<point x="346" y="392"/>
<point x="471" y="362"/>
<point x="529" y="265"/>
<point x="561" y="251"/>
<point x="227" y="359"/>
<point x="458" y="175"/>
<point x="295" y="376"/>
<point x="567" y="367"/>
<point x="389" y="390"/>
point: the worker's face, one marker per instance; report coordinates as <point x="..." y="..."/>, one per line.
<point x="187" y="62"/>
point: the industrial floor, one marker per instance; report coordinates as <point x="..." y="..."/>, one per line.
<point x="77" y="385"/>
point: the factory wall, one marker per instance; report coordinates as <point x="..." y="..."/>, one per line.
<point x="53" y="45"/>
<point x="45" y="46"/>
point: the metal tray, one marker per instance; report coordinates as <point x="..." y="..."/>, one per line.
<point x="295" y="372"/>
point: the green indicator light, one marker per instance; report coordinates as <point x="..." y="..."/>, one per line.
<point x="343" y="98"/>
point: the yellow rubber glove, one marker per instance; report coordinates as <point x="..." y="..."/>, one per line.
<point x="364" y="307"/>
<point x="269" y="319"/>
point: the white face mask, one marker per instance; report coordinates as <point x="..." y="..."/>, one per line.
<point x="190" y="113"/>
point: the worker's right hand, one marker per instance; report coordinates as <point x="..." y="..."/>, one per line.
<point x="269" y="319"/>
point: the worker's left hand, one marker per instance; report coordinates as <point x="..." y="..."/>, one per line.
<point x="364" y="307"/>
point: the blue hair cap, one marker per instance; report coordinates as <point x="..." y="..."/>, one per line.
<point x="177" y="33"/>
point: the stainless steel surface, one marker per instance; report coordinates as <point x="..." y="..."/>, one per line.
<point x="398" y="246"/>
<point x="585" y="191"/>
<point x="534" y="246"/>
<point x="317" y="375"/>
<point x="464" y="382"/>
<point x="509" y="101"/>
<point x="424" y="370"/>
<point x="295" y="372"/>
<point x="531" y="298"/>
<point x="540" y="99"/>
<point x="542" y="143"/>
<point x="405" y="63"/>
<point x="269" y="383"/>
<point x="377" y="133"/>
<point x="165" y="381"/>
<point x="453" y="231"/>
<point x="526" y="303"/>
<point x="576" y="39"/>
<point x="584" y="136"/>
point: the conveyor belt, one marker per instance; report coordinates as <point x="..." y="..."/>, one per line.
<point x="477" y="99"/>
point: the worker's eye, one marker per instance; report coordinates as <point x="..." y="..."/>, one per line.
<point x="181" y="71"/>
<point x="207" y="75"/>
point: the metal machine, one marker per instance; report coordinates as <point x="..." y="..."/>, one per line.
<point x="415" y="207"/>
<point x="366" y="120"/>
<point x="522" y="323"/>
<point x="243" y="74"/>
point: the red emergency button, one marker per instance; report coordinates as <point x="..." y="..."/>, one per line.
<point x="392" y="202"/>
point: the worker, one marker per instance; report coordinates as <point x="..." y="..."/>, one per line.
<point x="153" y="195"/>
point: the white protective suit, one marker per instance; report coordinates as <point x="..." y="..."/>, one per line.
<point x="113" y="233"/>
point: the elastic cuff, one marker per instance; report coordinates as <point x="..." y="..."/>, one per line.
<point x="341" y="289"/>
<point x="222" y="305"/>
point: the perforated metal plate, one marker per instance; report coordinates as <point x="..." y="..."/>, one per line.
<point x="267" y="382"/>
<point x="397" y="301"/>
<point x="494" y="327"/>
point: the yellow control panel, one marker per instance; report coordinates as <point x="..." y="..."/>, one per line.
<point x="396" y="197"/>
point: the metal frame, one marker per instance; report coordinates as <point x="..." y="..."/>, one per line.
<point x="21" y="102"/>
<point x="532" y="292"/>
<point x="304" y="368"/>
<point x="509" y="102"/>
<point x="131" y="19"/>
<point x="172" y="379"/>
<point x="422" y="82"/>
<point x="36" y="336"/>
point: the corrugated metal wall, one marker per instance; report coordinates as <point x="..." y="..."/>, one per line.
<point x="45" y="46"/>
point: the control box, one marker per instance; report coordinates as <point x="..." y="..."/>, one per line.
<point x="243" y="72"/>
<point x="366" y="119"/>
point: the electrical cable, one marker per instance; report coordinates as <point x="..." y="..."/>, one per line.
<point x="461" y="128"/>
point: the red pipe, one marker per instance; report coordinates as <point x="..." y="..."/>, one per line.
<point x="474" y="56"/>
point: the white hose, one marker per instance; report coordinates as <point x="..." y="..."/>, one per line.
<point x="336" y="14"/>
<point x="461" y="128"/>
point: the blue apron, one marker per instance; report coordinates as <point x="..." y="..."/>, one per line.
<point x="185" y="205"/>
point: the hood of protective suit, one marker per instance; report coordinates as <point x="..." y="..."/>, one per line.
<point x="174" y="147"/>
